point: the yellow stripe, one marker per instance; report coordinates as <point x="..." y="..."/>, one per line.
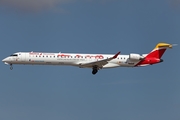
<point x="163" y="45"/>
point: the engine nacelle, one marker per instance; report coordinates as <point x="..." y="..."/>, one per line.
<point x="135" y="57"/>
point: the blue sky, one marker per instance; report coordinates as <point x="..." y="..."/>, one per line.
<point x="89" y="26"/>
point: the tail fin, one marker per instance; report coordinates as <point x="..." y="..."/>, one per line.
<point x="159" y="50"/>
<point x="155" y="55"/>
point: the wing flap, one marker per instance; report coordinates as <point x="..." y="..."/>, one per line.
<point x="99" y="63"/>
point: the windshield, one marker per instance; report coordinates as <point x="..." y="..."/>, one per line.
<point x="14" y="55"/>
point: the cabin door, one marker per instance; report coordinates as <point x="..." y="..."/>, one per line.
<point x="23" y="57"/>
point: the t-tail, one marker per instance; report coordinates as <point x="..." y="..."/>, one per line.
<point x="155" y="55"/>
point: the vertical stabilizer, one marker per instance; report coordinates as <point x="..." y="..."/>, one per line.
<point x="155" y="55"/>
<point x="159" y="50"/>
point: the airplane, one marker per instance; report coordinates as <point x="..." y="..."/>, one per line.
<point x="93" y="61"/>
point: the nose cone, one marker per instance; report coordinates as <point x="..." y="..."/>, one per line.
<point x="5" y="60"/>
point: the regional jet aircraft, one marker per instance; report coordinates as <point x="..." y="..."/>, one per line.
<point x="93" y="61"/>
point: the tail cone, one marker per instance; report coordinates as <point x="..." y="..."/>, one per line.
<point x="161" y="60"/>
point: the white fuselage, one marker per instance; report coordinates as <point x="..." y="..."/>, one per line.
<point x="38" y="58"/>
<point x="93" y="61"/>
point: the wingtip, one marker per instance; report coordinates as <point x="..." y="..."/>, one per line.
<point x="115" y="56"/>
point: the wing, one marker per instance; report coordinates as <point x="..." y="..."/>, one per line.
<point x="100" y="63"/>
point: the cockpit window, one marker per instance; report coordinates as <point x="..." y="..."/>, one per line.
<point x="14" y="55"/>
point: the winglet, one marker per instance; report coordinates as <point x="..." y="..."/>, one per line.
<point x="115" y="56"/>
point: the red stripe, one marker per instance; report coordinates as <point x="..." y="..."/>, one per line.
<point x="152" y="58"/>
<point x="156" y="53"/>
